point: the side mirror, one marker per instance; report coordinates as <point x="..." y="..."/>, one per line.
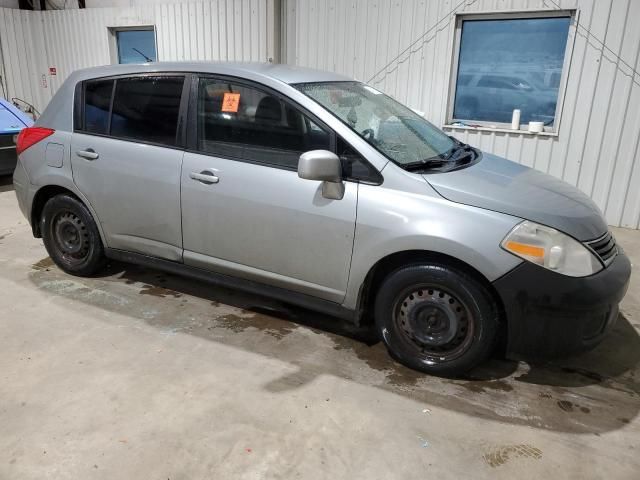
<point x="323" y="166"/>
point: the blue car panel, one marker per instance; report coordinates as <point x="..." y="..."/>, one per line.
<point x="12" y="120"/>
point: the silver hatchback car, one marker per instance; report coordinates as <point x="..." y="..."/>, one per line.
<point x="321" y="191"/>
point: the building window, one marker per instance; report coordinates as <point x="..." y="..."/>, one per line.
<point x="508" y="62"/>
<point x="136" y="45"/>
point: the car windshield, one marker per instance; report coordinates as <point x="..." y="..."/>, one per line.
<point x="395" y="130"/>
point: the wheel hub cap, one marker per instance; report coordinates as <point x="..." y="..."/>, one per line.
<point x="434" y="321"/>
<point x="70" y="235"/>
<point x="432" y="324"/>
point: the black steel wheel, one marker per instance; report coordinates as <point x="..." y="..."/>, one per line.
<point x="436" y="318"/>
<point x="71" y="236"/>
<point x="431" y="320"/>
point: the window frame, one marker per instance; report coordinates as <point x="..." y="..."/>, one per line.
<point x="114" y="48"/>
<point x="510" y="15"/>
<point x="192" y="125"/>
<point x="79" y="107"/>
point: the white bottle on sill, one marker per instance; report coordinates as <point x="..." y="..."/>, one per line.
<point x="515" y="119"/>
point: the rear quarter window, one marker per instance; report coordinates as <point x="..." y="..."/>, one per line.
<point x="97" y="101"/>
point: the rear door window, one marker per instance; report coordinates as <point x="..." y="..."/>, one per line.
<point x="248" y="123"/>
<point x="147" y="109"/>
<point x="97" y="101"/>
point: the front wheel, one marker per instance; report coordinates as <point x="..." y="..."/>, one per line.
<point x="436" y="318"/>
<point x="71" y="236"/>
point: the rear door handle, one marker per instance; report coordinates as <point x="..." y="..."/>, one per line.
<point x="89" y="154"/>
<point x="207" y="177"/>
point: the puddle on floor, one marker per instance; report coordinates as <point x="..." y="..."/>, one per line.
<point x="43" y="264"/>
<point x="591" y="394"/>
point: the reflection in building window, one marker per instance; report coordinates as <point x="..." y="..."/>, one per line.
<point x="507" y="64"/>
<point x="136" y="46"/>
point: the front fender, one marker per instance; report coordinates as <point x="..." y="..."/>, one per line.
<point x="391" y="221"/>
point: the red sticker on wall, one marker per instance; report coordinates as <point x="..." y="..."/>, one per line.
<point x="231" y="102"/>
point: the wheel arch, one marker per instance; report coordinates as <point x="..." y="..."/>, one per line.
<point x="44" y="194"/>
<point x="388" y="264"/>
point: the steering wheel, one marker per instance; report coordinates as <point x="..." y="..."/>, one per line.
<point x="368" y="134"/>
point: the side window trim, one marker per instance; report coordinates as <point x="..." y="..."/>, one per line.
<point x="192" y="115"/>
<point x="183" y="112"/>
<point x="79" y="118"/>
<point x="379" y="180"/>
<point x="113" y="95"/>
<point x="192" y="122"/>
<point x="78" y="106"/>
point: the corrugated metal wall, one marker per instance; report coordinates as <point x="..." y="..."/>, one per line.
<point x="71" y="39"/>
<point x="597" y="143"/>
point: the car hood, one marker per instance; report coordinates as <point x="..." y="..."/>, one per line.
<point x="504" y="186"/>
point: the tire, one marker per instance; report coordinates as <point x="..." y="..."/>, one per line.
<point x="436" y="318"/>
<point x="71" y="236"/>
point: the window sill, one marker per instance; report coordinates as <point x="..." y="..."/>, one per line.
<point x="484" y="128"/>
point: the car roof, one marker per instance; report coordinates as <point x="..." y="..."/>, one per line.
<point x="284" y="73"/>
<point x="59" y="111"/>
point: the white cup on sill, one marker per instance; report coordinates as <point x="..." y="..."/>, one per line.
<point x="536" y="127"/>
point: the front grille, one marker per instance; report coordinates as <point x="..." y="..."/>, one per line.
<point x="604" y="247"/>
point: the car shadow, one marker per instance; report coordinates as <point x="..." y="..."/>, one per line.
<point x="6" y="183"/>
<point x="591" y="393"/>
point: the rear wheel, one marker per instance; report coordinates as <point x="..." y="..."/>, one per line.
<point x="436" y="318"/>
<point x="71" y="236"/>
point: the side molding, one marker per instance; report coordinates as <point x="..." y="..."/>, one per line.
<point x="280" y="294"/>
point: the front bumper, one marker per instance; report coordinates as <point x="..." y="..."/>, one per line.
<point x="551" y="315"/>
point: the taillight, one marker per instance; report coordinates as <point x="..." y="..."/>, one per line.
<point x="30" y="136"/>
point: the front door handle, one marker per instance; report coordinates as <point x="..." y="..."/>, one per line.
<point x="89" y="154"/>
<point x="205" y="177"/>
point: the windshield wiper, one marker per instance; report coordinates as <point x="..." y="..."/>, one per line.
<point x="425" y="164"/>
<point x="460" y="155"/>
<point x="459" y="149"/>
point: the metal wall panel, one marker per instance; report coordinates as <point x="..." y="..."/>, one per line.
<point x="31" y="42"/>
<point x="597" y="144"/>
<point x="597" y="147"/>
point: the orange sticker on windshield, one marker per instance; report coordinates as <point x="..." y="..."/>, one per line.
<point x="231" y="102"/>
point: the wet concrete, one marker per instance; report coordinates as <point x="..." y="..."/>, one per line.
<point x="605" y="378"/>
<point x="136" y="373"/>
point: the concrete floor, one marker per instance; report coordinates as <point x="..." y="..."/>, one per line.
<point x="138" y="374"/>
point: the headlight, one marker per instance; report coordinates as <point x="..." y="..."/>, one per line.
<point x="551" y="249"/>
